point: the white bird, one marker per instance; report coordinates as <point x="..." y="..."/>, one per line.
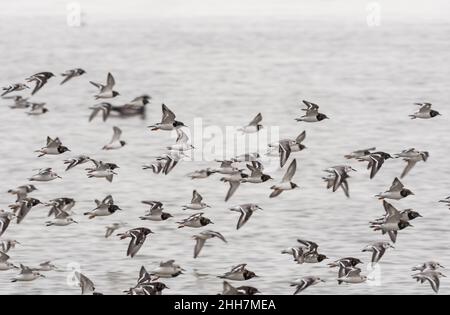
<point x="106" y="91"/>
<point x="115" y="142"/>
<point x="286" y="182"/>
<point x="196" y="202"/>
<point x="62" y="218"/>
<point x="44" y="175"/>
<point x="254" y="125"/>
<point x="425" y="111"/>
<point x="167" y="269"/>
<point x="181" y="143"/>
<point x="352" y="275"/>
<point x="397" y="191"/>
<point x="27" y="274"/>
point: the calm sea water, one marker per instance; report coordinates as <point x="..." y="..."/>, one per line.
<point x="225" y="71"/>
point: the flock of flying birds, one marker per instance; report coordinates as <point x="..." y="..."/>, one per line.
<point x="232" y="172"/>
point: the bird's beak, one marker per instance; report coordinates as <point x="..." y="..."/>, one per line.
<point x="211" y="222"/>
<point x="57" y="176"/>
<point x="42" y="276"/>
<point x="119" y="209"/>
<point x="75" y="222"/>
<point x="322" y="280"/>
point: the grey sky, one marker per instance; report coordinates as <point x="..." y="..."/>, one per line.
<point x="401" y="9"/>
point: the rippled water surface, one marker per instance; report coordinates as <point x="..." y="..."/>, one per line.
<point x="225" y="71"/>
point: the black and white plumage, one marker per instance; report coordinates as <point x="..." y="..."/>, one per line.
<point x="78" y="160"/>
<point x="23" y="207"/>
<point x="411" y="157"/>
<point x="425" y="111"/>
<point x="157" y="166"/>
<point x="310" y="253"/>
<point x="254" y="126"/>
<point x="297" y="253"/>
<point x="62" y="218"/>
<point x="102" y="170"/>
<point x="17" y="87"/>
<point x="138" y="237"/>
<point x="27" y="274"/>
<point x="394" y="220"/>
<point x="378" y="249"/>
<point x="115" y="142"/>
<point x="70" y="74"/>
<point x="22" y="191"/>
<point x="53" y="147"/>
<point x="44" y="175"/>
<point x="40" y="79"/>
<point x="246" y="211"/>
<point x="257" y="175"/>
<point x="106" y="90"/>
<point x="286" y="182"/>
<point x="168" y="121"/>
<point x="239" y="273"/>
<point x="155" y="213"/>
<point x="312" y="113"/>
<point x="196" y="202"/>
<point x="64" y="204"/>
<point x="344" y="264"/>
<point x="397" y="191"/>
<point x="202" y="237"/>
<point x="337" y="178"/>
<point x="432" y="276"/>
<point x="106" y="207"/>
<point x="305" y="282"/>
<point x="375" y="161"/>
<point x="195" y="221"/>
<point x="86" y="284"/>
<point x="287" y="146"/>
<point x="182" y="142"/>
<point x="166" y="162"/>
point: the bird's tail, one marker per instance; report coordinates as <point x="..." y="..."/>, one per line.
<point x="412" y="116"/>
